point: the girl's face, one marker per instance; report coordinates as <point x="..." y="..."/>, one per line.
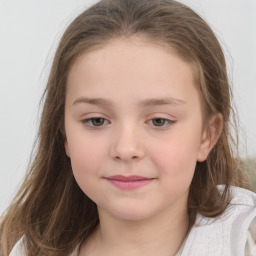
<point x="133" y="125"/>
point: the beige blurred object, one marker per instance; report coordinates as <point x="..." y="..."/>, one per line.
<point x="251" y="165"/>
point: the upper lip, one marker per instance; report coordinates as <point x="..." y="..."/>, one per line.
<point x="127" y="178"/>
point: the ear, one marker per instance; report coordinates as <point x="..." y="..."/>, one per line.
<point x="66" y="147"/>
<point x="210" y="136"/>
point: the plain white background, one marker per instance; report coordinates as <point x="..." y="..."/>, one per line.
<point x="29" y="34"/>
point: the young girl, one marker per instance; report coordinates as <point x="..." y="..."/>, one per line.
<point x="135" y="153"/>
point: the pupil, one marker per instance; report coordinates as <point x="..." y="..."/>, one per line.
<point x="97" y="121"/>
<point x="158" y="121"/>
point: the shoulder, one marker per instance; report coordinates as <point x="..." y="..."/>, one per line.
<point x="19" y="248"/>
<point x="241" y="196"/>
<point x="241" y="210"/>
<point x="247" y="200"/>
<point x="228" y="233"/>
<point x="243" y="203"/>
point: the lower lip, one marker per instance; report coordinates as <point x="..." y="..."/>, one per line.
<point x="129" y="185"/>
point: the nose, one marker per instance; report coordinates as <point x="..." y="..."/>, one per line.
<point x="127" y="145"/>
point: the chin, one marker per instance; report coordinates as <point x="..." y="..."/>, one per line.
<point x="131" y="213"/>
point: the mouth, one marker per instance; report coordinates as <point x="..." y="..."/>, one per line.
<point x="129" y="182"/>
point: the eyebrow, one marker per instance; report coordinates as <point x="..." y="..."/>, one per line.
<point x="144" y="103"/>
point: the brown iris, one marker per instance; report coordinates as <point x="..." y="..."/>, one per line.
<point x="97" y="121"/>
<point x="158" y="121"/>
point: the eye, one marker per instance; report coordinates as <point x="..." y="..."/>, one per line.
<point x="95" y="121"/>
<point x="161" y="122"/>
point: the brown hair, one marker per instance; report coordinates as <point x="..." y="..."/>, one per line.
<point x="50" y="209"/>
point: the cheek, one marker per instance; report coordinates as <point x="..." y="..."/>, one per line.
<point x="85" y="159"/>
<point x="86" y="156"/>
<point x="176" y="157"/>
<point x="177" y="164"/>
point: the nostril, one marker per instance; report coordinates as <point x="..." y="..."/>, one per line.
<point x="133" y="157"/>
<point x="127" y="157"/>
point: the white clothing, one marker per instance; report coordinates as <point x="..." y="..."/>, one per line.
<point x="230" y="234"/>
<point x="233" y="233"/>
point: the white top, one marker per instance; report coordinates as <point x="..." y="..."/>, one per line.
<point x="233" y="233"/>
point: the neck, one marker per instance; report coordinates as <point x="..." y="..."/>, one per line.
<point x="161" y="235"/>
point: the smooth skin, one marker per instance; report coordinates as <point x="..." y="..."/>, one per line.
<point x="132" y="108"/>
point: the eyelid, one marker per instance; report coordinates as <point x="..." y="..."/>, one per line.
<point x="162" y="115"/>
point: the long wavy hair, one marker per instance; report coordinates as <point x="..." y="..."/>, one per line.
<point x="50" y="210"/>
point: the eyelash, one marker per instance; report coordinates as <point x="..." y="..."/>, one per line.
<point x="86" y="121"/>
<point x="89" y="122"/>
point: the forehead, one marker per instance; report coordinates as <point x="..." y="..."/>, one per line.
<point x="134" y="63"/>
<point x="129" y="47"/>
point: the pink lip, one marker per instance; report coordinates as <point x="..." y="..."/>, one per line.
<point x="128" y="182"/>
